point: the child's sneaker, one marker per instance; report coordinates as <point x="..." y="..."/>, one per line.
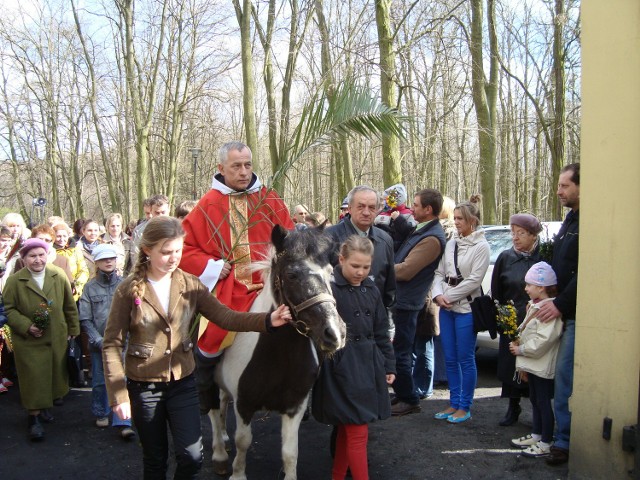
<point x="3" y="389"/>
<point x="102" y="422"/>
<point x="6" y="382"/>
<point x="524" y="442"/>
<point x="540" y="449"/>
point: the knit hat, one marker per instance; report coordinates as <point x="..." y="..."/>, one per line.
<point x="527" y="221"/>
<point x="102" y="251"/>
<point x="31" y="243"/>
<point x="345" y="203"/>
<point x="542" y="275"/>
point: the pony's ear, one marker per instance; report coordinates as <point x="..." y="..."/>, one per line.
<point x="322" y="225"/>
<point x="278" y="234"/>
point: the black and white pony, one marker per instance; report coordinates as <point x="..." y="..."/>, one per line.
<point x="275" y="371"/>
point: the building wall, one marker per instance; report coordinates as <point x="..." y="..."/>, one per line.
<point x="607" y="356"/>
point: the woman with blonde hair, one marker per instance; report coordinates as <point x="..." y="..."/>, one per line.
<point x="88" y="241"/>
<point x="152" y="311"/>
<point x="19" y="233"/>
<point x="77" y="265"/>
<point x="122" y="243"/>
<point x="457" y="282"/>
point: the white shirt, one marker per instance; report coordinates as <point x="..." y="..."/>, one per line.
<point x="163" y="291"/>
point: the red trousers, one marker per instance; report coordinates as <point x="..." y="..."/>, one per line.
<point x="351" y="452"/>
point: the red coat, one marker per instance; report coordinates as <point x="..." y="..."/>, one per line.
<point x="235" y="227"/>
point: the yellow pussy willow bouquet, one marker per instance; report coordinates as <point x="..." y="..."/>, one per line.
<point x="507" y="319"/>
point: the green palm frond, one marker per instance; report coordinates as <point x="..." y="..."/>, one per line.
<point x="350" y="111"/>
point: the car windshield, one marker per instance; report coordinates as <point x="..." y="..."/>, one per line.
<point x="499" y="240"/>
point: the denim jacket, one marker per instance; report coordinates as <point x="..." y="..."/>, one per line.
<point x="95" y="304"/>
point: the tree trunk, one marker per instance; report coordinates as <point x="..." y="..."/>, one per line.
<point x="392" y="172"/>
<point x="559" y="124"/>
<point x="484" y="101"/>
<point x="243" y="14"/>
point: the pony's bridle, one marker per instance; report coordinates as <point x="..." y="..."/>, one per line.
<point x="301" y="327"/>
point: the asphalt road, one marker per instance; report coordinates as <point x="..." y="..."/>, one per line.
<point x="414" y="447"/>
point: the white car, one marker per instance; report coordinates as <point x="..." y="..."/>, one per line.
<point x="499" y="239"/>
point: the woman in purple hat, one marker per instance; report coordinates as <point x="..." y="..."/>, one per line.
<point x="43" y="316"/>
<point x="507" y="284"/>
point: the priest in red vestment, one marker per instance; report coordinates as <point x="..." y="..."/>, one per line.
<point x="228" y="229"/>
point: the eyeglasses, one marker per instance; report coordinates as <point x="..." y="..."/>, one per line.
<point x="519" y="234"/>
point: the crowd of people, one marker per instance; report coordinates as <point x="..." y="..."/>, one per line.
<point x="407" y="270"/>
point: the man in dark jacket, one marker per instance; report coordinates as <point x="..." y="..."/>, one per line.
<point x="565" y="265"/>
<point x="364" y="205"/>
<point x="415" y="264"/>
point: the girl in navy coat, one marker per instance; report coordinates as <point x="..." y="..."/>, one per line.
<point x="352" y="389"/>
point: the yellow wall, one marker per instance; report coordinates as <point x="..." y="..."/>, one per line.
<point x="607" y="357"/>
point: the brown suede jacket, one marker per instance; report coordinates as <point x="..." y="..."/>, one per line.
<point x="159" y="346"/>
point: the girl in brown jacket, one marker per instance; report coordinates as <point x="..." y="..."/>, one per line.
<point x="152" y="311"/>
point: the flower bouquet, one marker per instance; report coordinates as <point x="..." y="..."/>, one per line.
<point x="507" y="320"/>
<point x="42" y="316"/>
<point x="5" y="334"/>
<point x="392" y="198"/>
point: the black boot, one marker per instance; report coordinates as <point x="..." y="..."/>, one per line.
<point x="36" y="430"/>
<point x="512" y="414"/>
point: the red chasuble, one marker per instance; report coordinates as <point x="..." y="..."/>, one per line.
<point x="235" y="227"/>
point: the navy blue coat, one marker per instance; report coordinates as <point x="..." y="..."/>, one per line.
<point x="352" y="386"/>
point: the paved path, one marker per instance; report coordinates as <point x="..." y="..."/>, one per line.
<point x="414" y="447"/>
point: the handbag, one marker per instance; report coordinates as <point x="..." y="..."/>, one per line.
<point x="74" y="364"/>
<point x="484" y="315"/>
<point x="427" y="324"/>
<point x="483" y="308"/>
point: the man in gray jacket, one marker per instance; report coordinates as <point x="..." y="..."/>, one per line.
<point x="364" y="205"/>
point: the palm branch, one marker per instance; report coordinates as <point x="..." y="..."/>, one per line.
<point x="350" y="110"/>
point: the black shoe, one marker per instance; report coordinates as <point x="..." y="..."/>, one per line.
<point x="58" y="402"/>
<point x="511" y="416"/>
<point x="45" y="416"/>
<point x="36" y="430"/>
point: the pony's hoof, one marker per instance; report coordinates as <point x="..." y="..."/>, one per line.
<point x="221" y="468"/>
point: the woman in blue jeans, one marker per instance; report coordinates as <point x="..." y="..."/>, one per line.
<point x="457" y="282"/>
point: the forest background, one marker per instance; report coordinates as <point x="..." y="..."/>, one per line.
<point x="105" y="102"/>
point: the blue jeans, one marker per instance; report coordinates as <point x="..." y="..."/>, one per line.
<point x="99" y="400"/>
<point x="153" y="406"/>
<point x="423" y="365"/>
<point x="564" y="385"/>
<point x="459" y="345"/>
<point x="405" y="321"/>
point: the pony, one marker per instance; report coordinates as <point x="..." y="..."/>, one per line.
<point x="275" y="371"/>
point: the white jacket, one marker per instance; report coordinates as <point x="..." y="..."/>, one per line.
<point x="473" y="260"/>
<point x="539" y="343"/>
